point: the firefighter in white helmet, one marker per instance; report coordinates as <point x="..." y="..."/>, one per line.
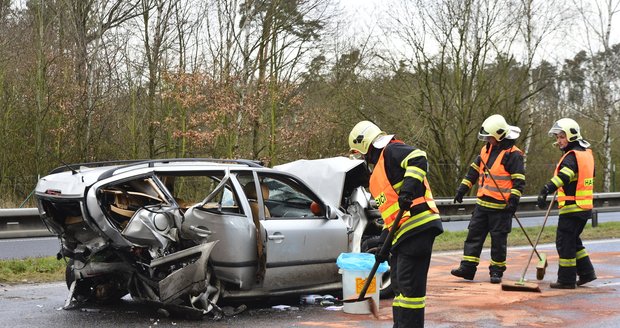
<point x="398" y="181"/>
<point x="574" y="182"/>
<point x="500" y="174"/>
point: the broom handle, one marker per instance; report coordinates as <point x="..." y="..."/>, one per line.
<point x="384" y="248"/>
<point x="539" y="234"/>
<point x="486" y="168"/>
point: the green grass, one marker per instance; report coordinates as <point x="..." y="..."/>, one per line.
<point x="46" y="269"/>
<point x="32" y="269"/>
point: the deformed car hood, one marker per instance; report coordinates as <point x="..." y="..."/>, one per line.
<point x="331" y="178"/>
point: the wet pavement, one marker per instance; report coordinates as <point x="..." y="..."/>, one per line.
<point x="451" y="301"/>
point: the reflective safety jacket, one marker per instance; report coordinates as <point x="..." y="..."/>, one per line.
<point x="387" y="199"/>
<point x="583" y="196"/>
<point x="503" y="179"/>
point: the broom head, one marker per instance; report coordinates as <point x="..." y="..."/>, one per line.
<point x="520" y="286"/>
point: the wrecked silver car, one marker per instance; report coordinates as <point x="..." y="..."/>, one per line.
<point x="189" y="232"/>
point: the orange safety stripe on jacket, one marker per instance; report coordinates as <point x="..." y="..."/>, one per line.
<point x="486" y="186"/>
<point x="585" y="180"/>
<point x="387" y="198"/>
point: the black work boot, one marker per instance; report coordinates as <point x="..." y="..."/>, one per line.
<point x="562" y="285"/>
<point x="496" y="277"/>
<point x="586" y="278"/>
<point x="465" y="273"/>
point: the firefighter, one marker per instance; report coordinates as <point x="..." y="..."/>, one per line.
<point x="574" y="182"/>
<point x="499" y="171"/>
<point x="398" y="181"/>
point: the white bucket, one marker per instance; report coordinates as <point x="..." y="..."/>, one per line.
<point x="352" y="284"/>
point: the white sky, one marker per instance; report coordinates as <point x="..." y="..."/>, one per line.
<point x="366" y="14"/>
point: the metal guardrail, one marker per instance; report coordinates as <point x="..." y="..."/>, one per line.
<point x="25" y="222"/>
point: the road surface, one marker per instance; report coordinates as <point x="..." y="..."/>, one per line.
<point x="451" y="302"/>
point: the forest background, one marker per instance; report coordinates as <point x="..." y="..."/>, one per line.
<point x="281" y="80"/>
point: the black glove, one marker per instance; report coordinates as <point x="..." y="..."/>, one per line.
<point x="513" y="202"/>
<point x="460" y="192"/>
<point x="380" y="258"/>
<point x="382" y="238"/>
<point x="404" y="200"/>
<point x="542" y="198"/>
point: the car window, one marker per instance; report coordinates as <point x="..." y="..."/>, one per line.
<point x="189" y="190"/>
<point x="288" y="199"/>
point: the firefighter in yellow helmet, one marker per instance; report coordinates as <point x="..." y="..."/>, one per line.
<point x="398" y="181"/>
<point x="574" y="182"/>
<point x="500" y="174"/>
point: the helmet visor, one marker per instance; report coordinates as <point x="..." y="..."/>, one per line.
<point x="554" y="131"/>
<point x="483" y="134"/>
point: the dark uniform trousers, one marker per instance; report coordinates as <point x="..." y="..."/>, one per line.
<point x="483" y="222"/>
<point x="573" y="257"/>
<point x="409" y="264"/>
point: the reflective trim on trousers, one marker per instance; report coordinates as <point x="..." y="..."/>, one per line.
<point x="409" y="302"/>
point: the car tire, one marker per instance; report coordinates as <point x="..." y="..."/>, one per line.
<point x="373" y="245"/>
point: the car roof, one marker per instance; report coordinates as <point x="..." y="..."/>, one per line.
<point x="73" y="178"/>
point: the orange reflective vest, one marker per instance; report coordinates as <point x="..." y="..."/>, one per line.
<point x="584" y="193"/>
<point x="387" y="199"/>
<point x="486" y="186"/>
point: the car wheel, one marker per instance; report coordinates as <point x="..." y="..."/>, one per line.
<point x="373" y="245"/>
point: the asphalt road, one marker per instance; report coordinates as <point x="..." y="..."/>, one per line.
<point x="451" y="302"/>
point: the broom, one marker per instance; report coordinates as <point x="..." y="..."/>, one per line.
<point x="541" y="267"/>
<point x="522" y="285"/>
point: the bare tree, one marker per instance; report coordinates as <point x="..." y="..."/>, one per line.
<point x="598" y="24"/>
<point x="90" y="19"/>
<point x="541" y="19"/>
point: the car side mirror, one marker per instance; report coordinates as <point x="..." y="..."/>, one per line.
<point x="330" y="212"/>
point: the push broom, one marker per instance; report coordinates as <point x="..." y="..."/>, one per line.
<point x="541" y="267"/>
<point x="522" y="285"/>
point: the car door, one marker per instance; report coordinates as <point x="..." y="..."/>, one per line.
<point x="301" y="247"/>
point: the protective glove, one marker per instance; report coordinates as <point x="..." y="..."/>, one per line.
<point x="542" y="198"/>
<point x="382" y="238"/>
<point x="380" y="258"/>
<point x="404" y="200"/>
<point x="513" y="202"/>
<point x="460" y="192"/>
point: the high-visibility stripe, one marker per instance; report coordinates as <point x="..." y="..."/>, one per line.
<point x="573" y="208"/>
<point x="415" y="172"/>
<point x="490" y="205"/>
<point x="568" y="172"/>
<point x="471" y="259"/>
<point x="518" y="176"/>
<point x="557" y="181"/>
<point x="415" y="221"/>
<point x="493" y="188"/>
<point x="475" y="167"/>
<point x="409" y="302"/>
<point x="467" y="183"/>
<point x="568" y="262"/>
<point x="581" y="254"/>
<point x="499" y="177"/>
<point x="499" y="264"/>
<point x="515" y="192"/>
<point x="415" y="153"/>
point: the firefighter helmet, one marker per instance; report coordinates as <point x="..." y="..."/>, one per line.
<point x="570" y="128"/>
<point x="494" y="126"/>
<point x="363" y="135"/>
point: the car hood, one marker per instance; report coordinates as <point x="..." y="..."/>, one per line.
<point x="331" y="178"/>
